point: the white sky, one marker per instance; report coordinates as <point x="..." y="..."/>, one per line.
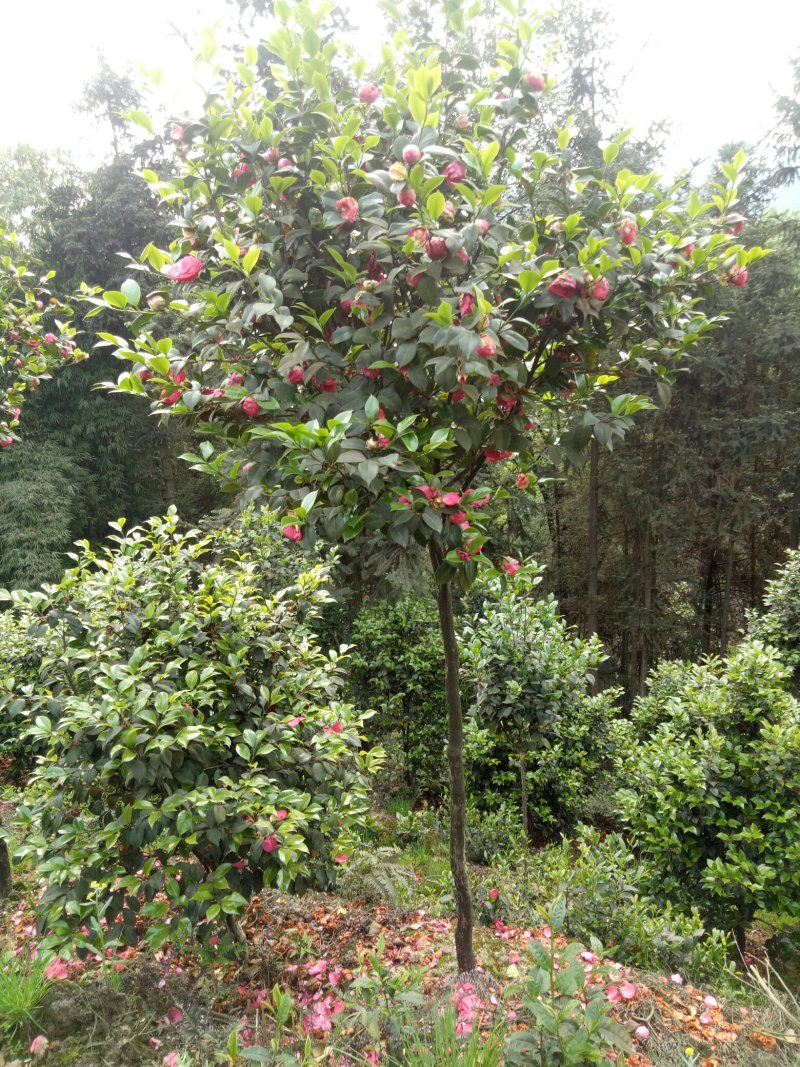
<point x="712" y="67"/>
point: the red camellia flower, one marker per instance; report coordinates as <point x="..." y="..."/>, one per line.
<point x="270" y="843"/>
<point x="437" y="248"/>
<point x="493" y="379"/>
<point x="348" y="208"/>
<point x="627" y="231"/>
<point x="272" y="154"/>
<point x="492" y="455"/>
<point x="466" y="305"/>
<point x="457" y="396"/>
<point x="173" y="398"/>
<point x="407" y="197"/>
<point x="564" y="285"/>
<point x="250" y="406"/>
<point x="412" y="154"/>
<point x="688" y="251"/>
<point x="235" y="378"/>
<point x="737" y="228"/>
<point x="328" y="386"/>
<point x="241" y="170"/>
<point x="462" y="255"/>
<point x="738" y="276"/>
<point x="522" y="481"/>
<point x="494" y="894"/>
<point x="368" y="93"/>
<point x="280" y="815"/>
<point x="414" y="278"/>
<point x="336" y="728"/>
<point x="292" y="532"/>
<point x="186" y="269"/>
<point x="455" y="172"/>
<point x="295" y="376"/>
<point x="368" y="372"/>
<point x="600" y="289"/>
<point x="510" y="565"/>
<point x="534" y="82"/>
<point x="487" y="348"/>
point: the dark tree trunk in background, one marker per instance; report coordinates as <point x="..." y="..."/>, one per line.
<point x="553" y="511"/>
<point x="725" y="617"/>
<point x="709" y="588"/>
<point x="5" y="869"/>
<point x="167" y="471"/>
<point x="455" y="761"/>
<point x="646" y="624"/>
<point x="592" y="562"/>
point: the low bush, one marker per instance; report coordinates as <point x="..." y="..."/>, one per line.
<point x="193" y="746"/>
<point x="712" y="791"/>
<point x="779" y="625"/>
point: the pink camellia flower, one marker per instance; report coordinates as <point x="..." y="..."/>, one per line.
<point x="235" y="378"/>
<point x="280" y="815"/>
<point x="174" y="1015"/>
<point x="178" y="133"/>
<point x="295" y="376"/>
<point x="412" y="154"/>
<point x="270" y="843"/>
<point x="466" y="305"/>
<point x="247" y="467"/>
<point x="493" y="379"/>
<point x="241" y="170"/>
<point x="482" y="226"/>
<point x="465" y="556"/>
<point x="487" y="348"/>
<point x="348" y="208"/>
<point x="492" y="455"/>
<point x="494" y="894"/>
<point x="171" y="398"/>
<point x="736" y="276"/>
<point x="328" y="386"/>
<point x="292" y="532"/>
<point x="49" y="338"/>
<point x="382" y="440"/>
<point x="419" y="235"/>
<point x="341" y="858"/>
<point x="317" y="968"/>
<point x="588" y="957"/>
<point x="564" y="285"/>
<point x="600" y="289"/>
<point x="455" y="172"/>
<point x="459" y="518"/>
<point x="437" y="248"/>
<point x="284" y="163"/>
<point x="522" y="481"/>
<point x="298" y="718"/>
<point x="272" y="154"/>
<point x="368" y="93"/>
<point x="407" y="197"/>
<point x="627" y="231"/>
<point x="641" y="1033"/>
<point x="534" y="82"/>
<point x="6" y="442"/>
<point x="186" y="269"/>
<point x="510" y="565"/>
<point x="250" y="406"/>
<point x="688" y="251"/>
<point x="462" y="255"/>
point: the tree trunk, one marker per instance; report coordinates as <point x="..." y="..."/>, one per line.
<point x="647" y="611"/>
<point x="523" y="797"/>
<point x="592" y="562"/>
<point x="709" y="586"/>
<point x="5" y="869"/>
<point x="725" y="619"/>
<point x="455" y="761"/>
<point x="167" y="471"/>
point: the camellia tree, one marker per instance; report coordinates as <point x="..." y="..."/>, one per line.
<point x="379" y="288"/>
<point x="36" y="337"/>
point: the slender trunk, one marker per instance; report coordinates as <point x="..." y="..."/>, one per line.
<point x="523" y="797"/>
<point x="724" y="623"/>
<point x="647" y="611"/>
<point x="167" y="471"/>
<point x="455" y="761"/>
<point x="5" y="869"/>
<point x="591" y="589"/>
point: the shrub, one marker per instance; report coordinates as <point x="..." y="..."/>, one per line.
<point x="714" y="786"/>
<point x="398" y="667"/>
<point x="780" y="623"/>
<point x="193" y="746"/>
<point x="531" y="675"/>
<point x="377" y="876"/>
<point x="493" y="834"/>
<point x="602" y="885"/>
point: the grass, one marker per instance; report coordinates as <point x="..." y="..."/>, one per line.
<point x="23" y="988"/>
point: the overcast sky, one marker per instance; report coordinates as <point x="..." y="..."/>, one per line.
<point x="712" y="67"/>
